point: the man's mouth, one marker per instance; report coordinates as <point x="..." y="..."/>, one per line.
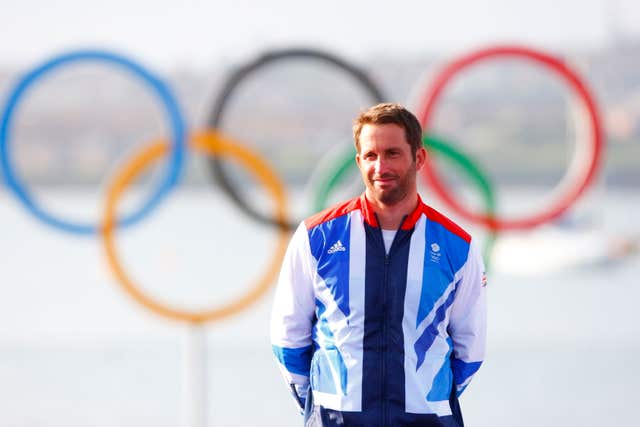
<point x="384" y="182"/>
<point x="385" y="179"/>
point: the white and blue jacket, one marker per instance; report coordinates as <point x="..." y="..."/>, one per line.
<point x="382" y="339"/>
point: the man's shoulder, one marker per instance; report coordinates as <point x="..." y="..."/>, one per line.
<point x="444" y="221"/>
<point x="332" y="212"/>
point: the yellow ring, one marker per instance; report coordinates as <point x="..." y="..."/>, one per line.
<point x="212" y="143"/>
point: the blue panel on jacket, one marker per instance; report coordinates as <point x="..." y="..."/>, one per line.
<point x="445" y="254"/>
<point x="443" y="382"/>
<point x="296" y="360"/>
<point x="327" y="364"/>
<point x="329" y="243"/>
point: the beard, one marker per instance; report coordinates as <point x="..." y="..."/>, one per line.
<point x="394" y="195"/>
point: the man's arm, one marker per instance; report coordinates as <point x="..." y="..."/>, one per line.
<point x="293" y="315"/>
<point x="468" y="322"/>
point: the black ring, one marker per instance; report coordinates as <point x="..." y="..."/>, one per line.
<point x="216" y="115"/>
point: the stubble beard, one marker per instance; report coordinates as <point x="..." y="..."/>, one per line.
<point x="394" y="195"/>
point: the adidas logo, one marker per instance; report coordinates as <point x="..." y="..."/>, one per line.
<point x="337" y="247"/>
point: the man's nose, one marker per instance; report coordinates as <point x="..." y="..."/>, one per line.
<point x="381" y="165"/>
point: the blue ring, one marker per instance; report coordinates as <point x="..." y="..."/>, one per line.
<point x="174" y="168"/>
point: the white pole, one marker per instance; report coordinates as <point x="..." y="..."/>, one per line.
<point x="194" y="389"/>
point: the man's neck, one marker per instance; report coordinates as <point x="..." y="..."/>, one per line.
<point x="390" y="216"/>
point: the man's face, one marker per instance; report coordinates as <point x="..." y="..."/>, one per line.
<point x="387" y="166"/>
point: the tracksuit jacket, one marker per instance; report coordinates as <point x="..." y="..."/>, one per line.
<point x="369" y="338"/>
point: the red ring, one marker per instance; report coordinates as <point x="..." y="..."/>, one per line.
<point x="582" y="180"/>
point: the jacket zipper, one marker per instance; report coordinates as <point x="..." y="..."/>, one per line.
<point x="385" y="285"/>
<point x="384" y="339"/>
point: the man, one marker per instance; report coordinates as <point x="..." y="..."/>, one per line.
<point x="379" y="316"/>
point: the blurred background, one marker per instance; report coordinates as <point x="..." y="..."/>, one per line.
<point x="75" y="350"/>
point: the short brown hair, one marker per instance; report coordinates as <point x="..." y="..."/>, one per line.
<point x="386" y="113"/>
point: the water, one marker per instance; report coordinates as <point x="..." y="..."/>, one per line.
<point x="76" y="351"/>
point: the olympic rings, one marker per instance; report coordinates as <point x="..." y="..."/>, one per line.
<point x="583" y="176"/>
<point x="211" y="143"/>
<point x="161" y="90"/>
<point x="435" y="145"/>
<point x="217" y="113"/>
<point x="214" y="144"/>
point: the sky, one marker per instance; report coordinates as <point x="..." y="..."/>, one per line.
<point x="170" y="33"/>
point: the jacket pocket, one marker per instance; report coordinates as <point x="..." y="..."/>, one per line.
<point x="328" y="372"/>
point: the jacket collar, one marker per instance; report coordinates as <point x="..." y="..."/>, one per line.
<point x="409" y="221"/>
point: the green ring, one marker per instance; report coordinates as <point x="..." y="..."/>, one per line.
<point x="340" y="172"/>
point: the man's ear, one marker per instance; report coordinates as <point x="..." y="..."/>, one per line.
<point x="421" y="157"/>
